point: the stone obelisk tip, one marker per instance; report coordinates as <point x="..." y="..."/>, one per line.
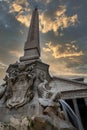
<point x="32" y="45"/>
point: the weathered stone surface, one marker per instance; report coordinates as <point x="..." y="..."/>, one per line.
<point x="35" y="123"/>
<point x="47" y="123"/>
<point x="4" y="126"/>
<point x="19" y="124"/>
<point x="27" y="90"/>
<point x="28" y="94"/>
<point x="41" y="123"/>
<point x="21" y="97"/>
<point x="20" y="84"/>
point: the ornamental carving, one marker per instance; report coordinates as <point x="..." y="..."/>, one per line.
<point x="18" y="89"/>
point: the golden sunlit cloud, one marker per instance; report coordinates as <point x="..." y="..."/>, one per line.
<point x="15" y="8"/>
<point x="22" y="11"/>
<point x="62" y="57"/>
<point x="24" y="19"/>
<point x="57" y="67"/>
<point x="63" y="51"/>
<point x="16" y="53"/>
<point x="61" y="10"/>
<point x="61" y="21"/>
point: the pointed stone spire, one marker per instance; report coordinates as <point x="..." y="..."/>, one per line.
<point x="32" y="45"/>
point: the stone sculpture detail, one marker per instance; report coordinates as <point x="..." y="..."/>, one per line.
<point x="45" y="91"/>
<point x="18" y="89"/>
<point x="48" y="99"/>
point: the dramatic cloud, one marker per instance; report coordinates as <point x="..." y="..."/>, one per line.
<point x="15" y="8"/>
<point x="65" y="59"/>
<point x="59" y="21"/>
<point x="63" y="66"/>
<point x="21" y="8"/>
<point x="23" y="19"/>
<point x="57" y="66"/>
<point x="63" y="51"/>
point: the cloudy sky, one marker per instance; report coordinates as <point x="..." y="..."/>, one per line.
<point x="63" y="34"/>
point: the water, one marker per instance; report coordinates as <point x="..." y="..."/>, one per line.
<point x="72" y="114"/>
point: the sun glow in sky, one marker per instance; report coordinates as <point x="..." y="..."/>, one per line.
<point x="63" y="34"/>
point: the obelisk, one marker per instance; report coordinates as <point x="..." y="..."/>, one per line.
<point x="32" y="45"/>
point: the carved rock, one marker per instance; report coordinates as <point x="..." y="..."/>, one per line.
<point x="19" y="85"/>
<point x="27" y="93"/>
<point x="47" y="123"/>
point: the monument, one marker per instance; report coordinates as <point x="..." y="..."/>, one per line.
<point x="28" y="99"/>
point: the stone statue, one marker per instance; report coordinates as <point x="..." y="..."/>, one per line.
<point x="49" y="99"/>
<point x="47" y="94"/>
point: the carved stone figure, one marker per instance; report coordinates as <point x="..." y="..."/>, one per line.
<point x="23" y="93"/>
<point x="47" y="93"/>
<point x="42" y="91"/>
<point x="18" y="89"/>
<point x="49" y="99"/>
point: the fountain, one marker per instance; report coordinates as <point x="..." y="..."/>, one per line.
<point x="67" y="109"/>
<point x="27" y="102"/>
